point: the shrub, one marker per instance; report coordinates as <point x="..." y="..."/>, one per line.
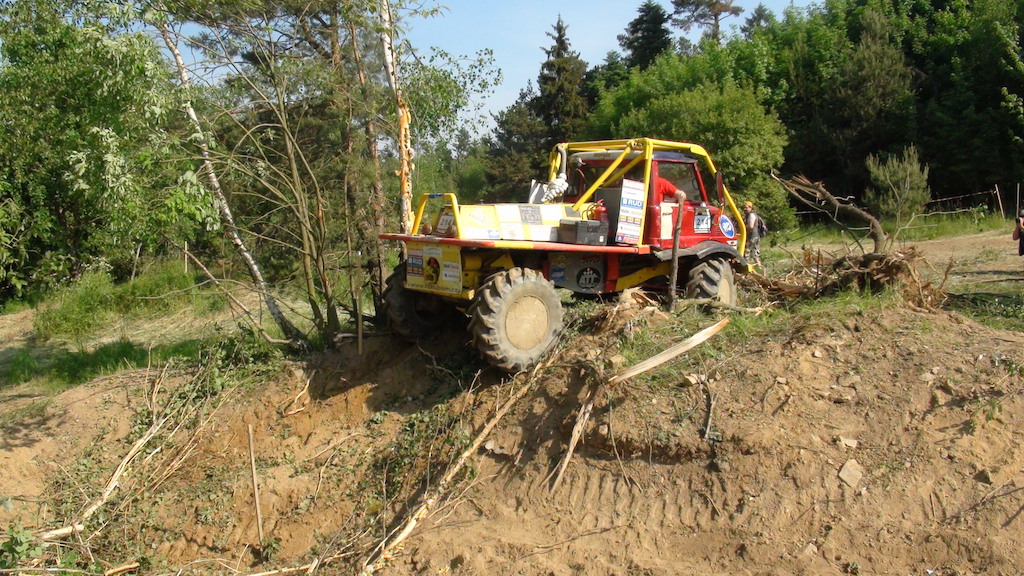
<point x="900" y="186"/>
<point x="78" y="309"/>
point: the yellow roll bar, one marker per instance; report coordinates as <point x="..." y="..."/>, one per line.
<point x="647" y="146"/>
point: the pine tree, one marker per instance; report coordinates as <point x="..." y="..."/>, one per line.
<point x="647" y="36"/>
<point x="704" y="14"/>
<point x="527" y="130"/>
<point x="560" y="104"/>
<point x="759" y="19"/>
<point x="515" y="154"/>
<point x="604" y="77"/>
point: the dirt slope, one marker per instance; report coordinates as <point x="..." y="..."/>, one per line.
<point x="885" y="442"/>
<point x="940" y="484"/>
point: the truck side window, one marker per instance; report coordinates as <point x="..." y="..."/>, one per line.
<point x="684" y="176"/>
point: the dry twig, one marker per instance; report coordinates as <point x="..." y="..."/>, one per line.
<point x="653" y="362"/>
<point x="386" y="549"/>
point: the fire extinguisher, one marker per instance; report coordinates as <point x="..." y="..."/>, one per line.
<point x="601" y="212"/>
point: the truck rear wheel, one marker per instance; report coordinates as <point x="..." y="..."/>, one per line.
<point x="515" y="318"/>
<point x="414" y="315"/>
<point x="712" y="278"/>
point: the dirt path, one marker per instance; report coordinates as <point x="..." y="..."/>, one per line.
<point x="884" y="442"/>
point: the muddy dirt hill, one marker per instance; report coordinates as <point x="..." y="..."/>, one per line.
<point x="872" y="439"/>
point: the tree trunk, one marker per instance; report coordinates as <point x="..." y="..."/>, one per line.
<point x="293" y="334"/>
<point x="817" y="197"/>
<point x="404" y="135"/>
<point x="376" y="208"/>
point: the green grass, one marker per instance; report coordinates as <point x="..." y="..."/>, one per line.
<point x="54" y="369"/>
<point x="924" y="227"/>
<point x="1002" y="311"/>
<point x="31" y="412"/>
<point x="932" y="226"/>
<point x="69" y="323"/>
<point x="95" y="302"/>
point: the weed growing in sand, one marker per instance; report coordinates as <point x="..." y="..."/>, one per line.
<point x="424" y="447"/>
<point x="25" y="415"/>
<point x="1012" y="367"/>
<point x="19" y="544"/>
<point x="21" y="366"/>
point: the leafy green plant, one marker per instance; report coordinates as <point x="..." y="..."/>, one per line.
<point x="899" y="186"/>
<point x="20" y="367"/>
<point x="269" y="548"/>
<point x="19" y="545"/>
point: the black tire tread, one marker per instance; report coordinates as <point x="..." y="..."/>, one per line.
<point x="706" y="276"/>
<point x="485" y="318"/>
<point x="398" y="308"/>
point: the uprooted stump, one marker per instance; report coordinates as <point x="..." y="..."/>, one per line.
<point x="873" y="271"/>
<point x="822" y="276"/>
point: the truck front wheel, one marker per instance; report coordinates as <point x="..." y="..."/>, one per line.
<point x="515" y="318"/>
<point x="414" y="315"/>
<point x="712" y="278"/>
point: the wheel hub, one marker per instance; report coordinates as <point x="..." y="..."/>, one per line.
<point x="526" y="322"/>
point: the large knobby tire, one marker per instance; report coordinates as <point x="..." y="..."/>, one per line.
<point x="712" y="279"/>
<point x="414" y="315"/>
<point x="515" y="318"/>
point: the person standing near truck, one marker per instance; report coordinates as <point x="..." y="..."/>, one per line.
<point x="755" y="230"/>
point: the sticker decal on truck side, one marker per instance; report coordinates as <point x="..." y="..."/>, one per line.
<point x="726" y="226"/>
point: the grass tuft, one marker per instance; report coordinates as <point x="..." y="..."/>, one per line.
<point x="94" y="302"/>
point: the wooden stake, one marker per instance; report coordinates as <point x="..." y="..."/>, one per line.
<point x="999" y="197"/>
<point x="674" y="276"/>
<point x="255" y="487"/>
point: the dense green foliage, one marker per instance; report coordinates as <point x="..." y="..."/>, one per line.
<point x="833" y="84"/>
<point x="84" y="177"/>
<point x="99" y="163"/>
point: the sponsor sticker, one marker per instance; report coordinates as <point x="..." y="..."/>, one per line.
<point x="726" y="226"/>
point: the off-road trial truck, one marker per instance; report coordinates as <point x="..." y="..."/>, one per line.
<point x="604" y="222"/>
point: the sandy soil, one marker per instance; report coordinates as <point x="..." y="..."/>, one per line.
<point x="887" y="442"/>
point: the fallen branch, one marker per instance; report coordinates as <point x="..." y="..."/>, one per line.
<point x="120" y="569"/>
<point x="670" y="353"/>
<point x="385" y="551"/>
<point x="653" y="362"/>
<point x="814" y="195"/>
<point x="255" y="488"/>
<point x="112" y="483"/>
<point x="577" y="431"/>
<point x="545" y="548"/>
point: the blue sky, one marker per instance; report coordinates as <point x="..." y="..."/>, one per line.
<point x="517" y="32"/>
